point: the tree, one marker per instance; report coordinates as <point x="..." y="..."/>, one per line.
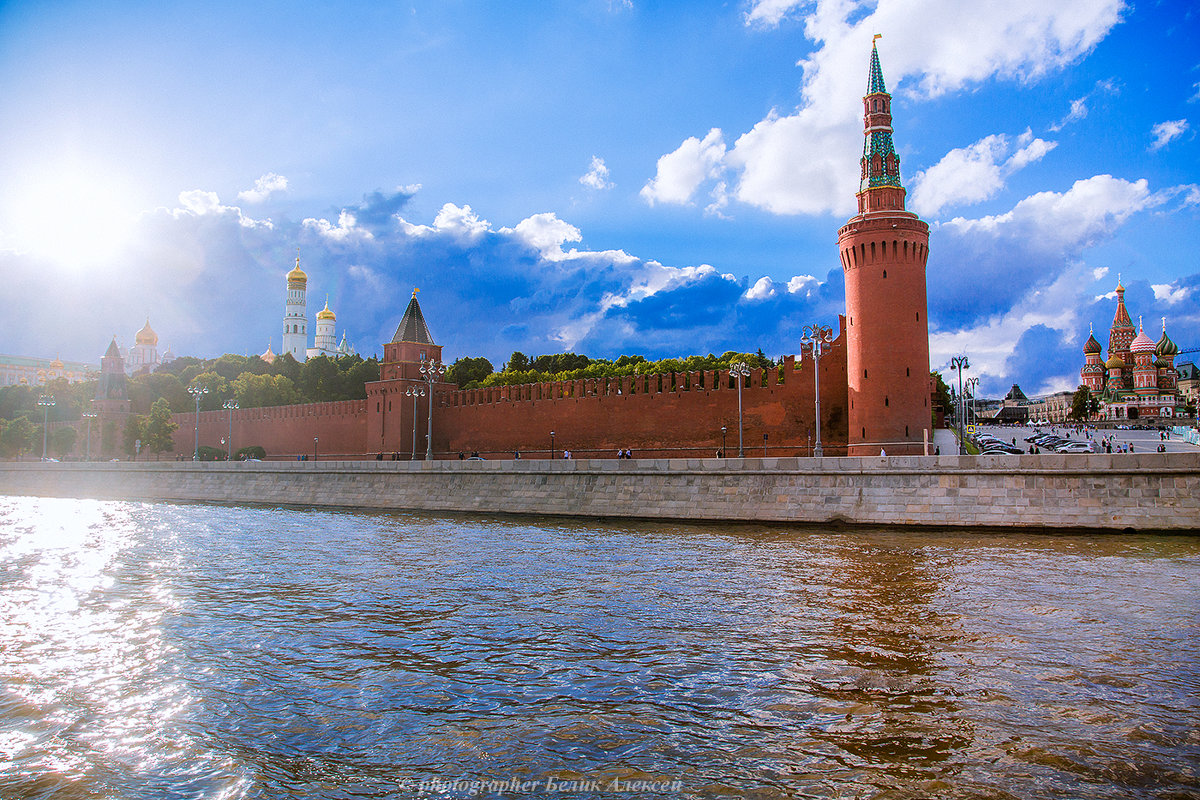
<point x="133" y="432"/>
<point x="517" y="362"/>
<point x="17" y="437"/>
<point x="218" y="390"/>
<point x="319" y="380"/>
<point x="465" y="371"/>
<point x="62" y="441"/>
<point x="941" y="395"/>
<point x="157" y="428"/>
<point x="1079" y="404"/>
<point x="256" y="391"/>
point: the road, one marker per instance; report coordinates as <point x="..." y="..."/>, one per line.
<point x="1142" y="441"/>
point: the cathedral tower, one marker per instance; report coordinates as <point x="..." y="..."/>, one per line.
<point x="884" y="250"/>
<point x="295" y="317"/>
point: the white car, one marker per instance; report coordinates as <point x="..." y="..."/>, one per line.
<point x="1076" y="447"/>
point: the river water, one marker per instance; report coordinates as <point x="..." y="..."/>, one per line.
<point x="159" y="650"/>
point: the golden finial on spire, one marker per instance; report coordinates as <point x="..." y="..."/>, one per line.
<point x="415" y="290"/>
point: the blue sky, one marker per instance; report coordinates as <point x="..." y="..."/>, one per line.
<point x="603" y="176"/>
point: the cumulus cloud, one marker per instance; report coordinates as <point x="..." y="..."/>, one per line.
<point x="264" y="187"/>
<point x="971" y="174"/>
<point x="806" y="161"/>
<point x="200" y="203"/>
<point x="597" y="175"/>
<point x="346" y="227"/>
<point x="763" y="288"/>
<point x="681" y="172"/>
<point x="1166" y="132"/>
<point x="1170" y="293"/>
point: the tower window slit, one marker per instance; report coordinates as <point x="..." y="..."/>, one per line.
<point x="885" y="273"/>
<point x="885" y="401"/>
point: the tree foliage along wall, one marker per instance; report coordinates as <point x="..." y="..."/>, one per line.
<point x="572" y="366"/>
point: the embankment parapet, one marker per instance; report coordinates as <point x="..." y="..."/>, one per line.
<point x="1099" y="492"/>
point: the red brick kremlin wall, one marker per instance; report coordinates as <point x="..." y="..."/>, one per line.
<point x="283" y="431"/>
<point x="670" y="415"/>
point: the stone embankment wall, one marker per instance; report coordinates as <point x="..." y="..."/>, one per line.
<point x="1116" y="492"/>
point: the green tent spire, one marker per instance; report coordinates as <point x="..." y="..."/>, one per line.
<point x="875" y="82"/>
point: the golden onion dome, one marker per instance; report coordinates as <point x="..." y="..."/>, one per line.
<point x="146" y="335"/>
<point x="297" y="276"/>
<point x="1115" y="363"/>
<point x="325" y="313"/>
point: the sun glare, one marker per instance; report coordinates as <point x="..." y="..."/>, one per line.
<point x="77" y="217"/>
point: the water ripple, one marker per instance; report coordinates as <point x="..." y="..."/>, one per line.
<point x="219" y="652"/>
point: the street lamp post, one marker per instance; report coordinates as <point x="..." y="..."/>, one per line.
<point x="46" y="401"/>
<point x="972" y="385"/>
<point x="816" y="337"/>
<point x="740" y="370"/>
<point x="231" y="405"/>
<point x="960" y="363"/>
<point x="197" y="392"/>
<point x="722" y="441"/>
<point x="431" y="372"/>
<point x="414" y="393"/>
<point x="89" y="416"/>
<point x="551" y="445"/>
<point x="315" y="438"/>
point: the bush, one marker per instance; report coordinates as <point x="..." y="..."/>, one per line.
<point x="253" y="451"/>
<point x="207" y="453"/>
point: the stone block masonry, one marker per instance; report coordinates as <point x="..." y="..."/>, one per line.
<point x="1142" y="492"/>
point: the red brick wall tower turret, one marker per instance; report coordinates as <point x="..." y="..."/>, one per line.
<point x="884" y="250"/>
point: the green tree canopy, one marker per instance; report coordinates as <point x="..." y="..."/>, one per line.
<point x="17" y="437"/>
<point x="62" y="441"/>
<point x="157" y="428"/>
<point x="468" y="371"/>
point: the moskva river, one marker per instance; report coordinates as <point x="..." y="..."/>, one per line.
<point x="191" y="651"/>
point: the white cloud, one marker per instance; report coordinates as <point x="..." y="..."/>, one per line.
<point x="768" y="13"/>
<point x="762" y="289"/>
<point x="1078" y="111"/>
<point x="680" y="173"/>
<point x="263" y="188"/>
<point x="970" y="174"/>
<point x="199" y="202"/>
<point x="1088" y="211"/>
<point x="546" y="233"/>
<point x="1099" y="272"/>
<point x="803" y="284"/>
<point x="1165" y="132"/>
<point x="346" y="228"/>
<point x="597" y="175"/>
<point x="807" y="161"/>
<point x="1168" y="293"/>
<point x="990" y="342"/>
<point x="459" y="221"/>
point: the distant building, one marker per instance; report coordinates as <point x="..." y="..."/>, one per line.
<point x="1189" y="382"/>
<point x="144" y="357"/>
<point x="295" y="324"/>
<point x="1014" y="408"/>
<point x="1139" y="380"/>
<point x="24" y="371"/>
<point x="1051" y="409"/>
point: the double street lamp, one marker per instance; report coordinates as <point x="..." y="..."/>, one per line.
<point x="46" y="401"/>
<point x="197" y="392"/>
<point x="231" y="405"/>
<point x="960" y="363"/>
<point x="431" y="373"/>
<point x="972" y="385"/>
<point x="414" y="393"/>
<point x="817" y="337"/>
<point x="740" y="370"/>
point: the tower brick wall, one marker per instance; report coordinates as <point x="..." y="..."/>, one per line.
<point x="884" y="251"/>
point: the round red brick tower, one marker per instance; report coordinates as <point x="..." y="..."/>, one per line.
<point x="883" y="252"/>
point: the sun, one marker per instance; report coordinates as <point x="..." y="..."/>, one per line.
<point x="73" y="215"/>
